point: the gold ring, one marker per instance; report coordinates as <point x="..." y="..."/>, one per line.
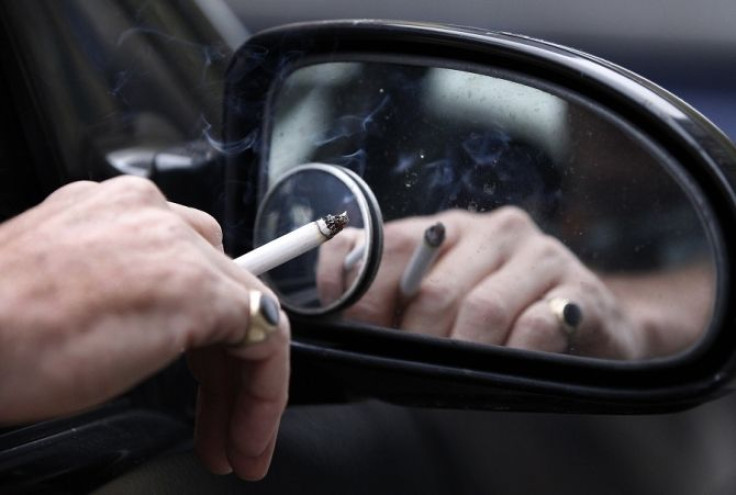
<point x="568" y="314"/>
<point x="264" y="318"/>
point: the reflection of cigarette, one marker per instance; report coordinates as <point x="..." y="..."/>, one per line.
<point x="291" y="245"/>
<point x="353" y="257"/>
<point x="422" y="259"/>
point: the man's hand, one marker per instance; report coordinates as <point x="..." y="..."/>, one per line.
<point x="104" y="284"/>
<point x="492" y="283"/>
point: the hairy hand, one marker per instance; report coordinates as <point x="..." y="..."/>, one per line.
<point x="104" y="284"/>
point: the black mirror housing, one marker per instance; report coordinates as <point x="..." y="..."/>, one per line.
<point x="350" y="360"/>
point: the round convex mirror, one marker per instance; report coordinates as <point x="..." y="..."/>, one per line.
<point x="336" y="274"/>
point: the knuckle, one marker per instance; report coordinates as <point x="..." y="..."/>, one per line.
<point x="211" y="229"/>
<point x="230" y="311"/>
<point x="552" y="247"/>
<point x="73" y="189"/>
<point x="551" y="251"/>
<point x="513" y="219"/>
<point x="485" y="309"/>
<point x="437" y="298"/>
<point x="536" y="325"/>
<point x="456" y="216"/>
<point x="375" y="307"/>
<point x="367" y="310"/>
<point x="191" y="274"/>
<point x="397" y="240"/>
<point x="534" y="331"/>
<point x="136" y="190"/>
<point x="205" y="306"/>
<point x="174" y="227"/>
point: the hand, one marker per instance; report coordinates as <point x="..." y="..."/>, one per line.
<point x="491" y="284"/>
<point x="104" y="284"/>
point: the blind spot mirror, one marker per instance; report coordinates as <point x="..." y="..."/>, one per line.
<point x="326" y="279"/>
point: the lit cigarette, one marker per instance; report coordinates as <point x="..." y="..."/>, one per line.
<point x="293" y="244"/>
<point x="422" y="259"/>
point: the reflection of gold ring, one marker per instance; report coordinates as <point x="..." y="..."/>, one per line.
<point x="568" y="314"/>
<point x="264" y="318"/>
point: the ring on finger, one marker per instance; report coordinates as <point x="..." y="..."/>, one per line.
<point x="569" y="315"/>
<point x="264" y="313"/>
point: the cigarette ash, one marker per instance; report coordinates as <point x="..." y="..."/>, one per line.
<point x="335" y="223"/>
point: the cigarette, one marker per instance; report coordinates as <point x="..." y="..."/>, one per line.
<point x="293" y="244"/>
<point x="353" y="257"/>
<point x="422" y="259"/>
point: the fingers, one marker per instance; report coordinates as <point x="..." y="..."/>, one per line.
<point x="258" y="406"/>
<point x="243" y="390"/>
<point x="539" y="328"/>
<point x="489" y="311"/>
<point x="489" y="285"/>
<point x="243" y="393"/>
<point x="203" y="223"/>
<point x="577" y="317"/>
<point x="476" y="247"/>
<point x="59" y="199"/>
<point x="501" y="296"/>
<point x="200" y="221"/>
<point x="217" y="376"/>
<point x="333" y="275"/>
<point x="380" y="303"/>
<point x="174" y="290"/>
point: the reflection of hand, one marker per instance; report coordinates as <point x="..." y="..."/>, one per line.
<point x="491" y="284"/>
<point x="333" y="274"/>
<point x="103" y="284"/>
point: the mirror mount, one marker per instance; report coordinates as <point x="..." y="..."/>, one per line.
<point x="457" y="374"/>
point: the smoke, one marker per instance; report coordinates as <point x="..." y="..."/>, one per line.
<point x="486" y="148"/>
<point x="389" y="123"/>
<point x="230" y="147"/>
<point x="351" y="126"/>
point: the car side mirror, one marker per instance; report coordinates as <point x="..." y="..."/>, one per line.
<point x="465" y="126"/>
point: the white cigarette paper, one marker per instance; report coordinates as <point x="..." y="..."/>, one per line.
<point x="291" y="245"/>
<point x="422" y="259"/>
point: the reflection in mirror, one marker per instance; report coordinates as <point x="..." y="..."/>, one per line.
<point x="303" y="195"/>
<point x="566" y="228"/>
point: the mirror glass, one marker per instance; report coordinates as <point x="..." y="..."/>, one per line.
<point x="557" y="225"/>
<point x="313" y="283"/>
